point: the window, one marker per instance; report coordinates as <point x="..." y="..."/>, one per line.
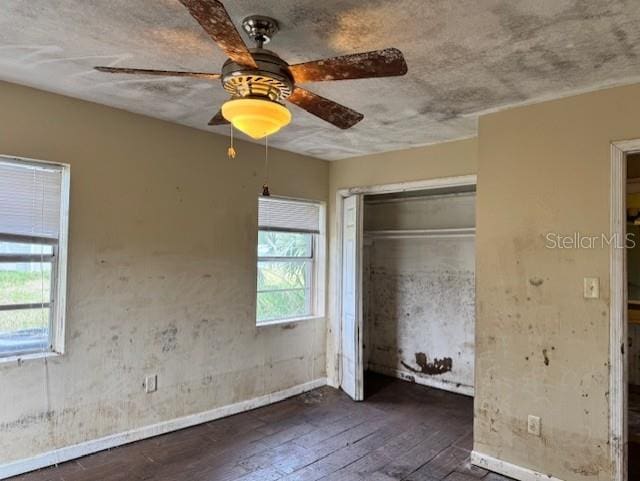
<point x="290" y="260"/>
<point x="33" y="223"/>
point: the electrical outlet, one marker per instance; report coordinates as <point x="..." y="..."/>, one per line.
<point x="591" y="288"/>
<point x="533" y="425"/>
<point x="151" y="383"/>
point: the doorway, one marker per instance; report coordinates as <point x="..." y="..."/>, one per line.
<point x="624" y="396"/>
<point x="633" y="312"/>
<point x="407" y="284"/>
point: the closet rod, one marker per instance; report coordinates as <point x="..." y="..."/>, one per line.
<point x="419" y="233"/>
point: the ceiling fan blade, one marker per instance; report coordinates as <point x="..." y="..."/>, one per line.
<point x="215" y="20"/>
<point x="379" y="63"/>
<point x="328" y="110"/>
<point x="218" y="119"/>
<point x="161" y="73"/>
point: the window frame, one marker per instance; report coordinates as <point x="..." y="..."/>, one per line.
<point x="318" y="266"/>
<point x="58" y="261"/>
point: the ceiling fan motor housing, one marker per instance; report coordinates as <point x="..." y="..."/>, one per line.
<point x="271" y="80"/>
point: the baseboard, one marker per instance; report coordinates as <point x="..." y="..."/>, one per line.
<point x="424" y="381"/>
<point x="507" y="469"/>
<point x="78" y="450"/>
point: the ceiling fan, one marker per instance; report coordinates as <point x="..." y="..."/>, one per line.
<point x="259" y="81"/>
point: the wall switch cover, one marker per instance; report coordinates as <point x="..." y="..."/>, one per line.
<point x="533" y="425"/>
<point x="151" y="383"/>
<point x="591" y="288"/>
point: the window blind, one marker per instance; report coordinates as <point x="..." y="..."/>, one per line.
<point x="30" y="199"/>
<point x="288" y="215"/>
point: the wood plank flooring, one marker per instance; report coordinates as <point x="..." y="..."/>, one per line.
<point x="402" y="431"/>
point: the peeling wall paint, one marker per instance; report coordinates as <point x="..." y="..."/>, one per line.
<point x="419" y="292"/>
<point x="162" y="272"/>
<point x="434" y="368"/>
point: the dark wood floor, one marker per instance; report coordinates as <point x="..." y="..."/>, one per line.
<point x="401" y="432"/>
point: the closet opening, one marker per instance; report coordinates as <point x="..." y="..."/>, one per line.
<point x="418" y="287"/>
<point x="408" y="287"/>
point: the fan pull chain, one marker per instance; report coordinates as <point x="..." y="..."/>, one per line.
<point x="265" y="186"/>
<point x="231" y="151"/>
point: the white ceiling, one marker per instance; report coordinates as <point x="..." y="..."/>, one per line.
<point x="464" y="57"/>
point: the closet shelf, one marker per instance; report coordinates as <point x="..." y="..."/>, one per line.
<point x="419" y="233"/>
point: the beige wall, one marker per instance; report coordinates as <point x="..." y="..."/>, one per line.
<point x="436" y="161"/>
<point x="161" y="275"/>
<point x="541" y="348"/>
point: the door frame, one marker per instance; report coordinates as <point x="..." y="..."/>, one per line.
<point x="426" y="184"/>
<point x="618" y="361"/>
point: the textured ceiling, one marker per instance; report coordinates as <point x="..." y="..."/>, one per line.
<point x="464" y="57"/>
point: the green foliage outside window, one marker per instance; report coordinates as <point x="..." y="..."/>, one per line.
<point x="285" y="269"/>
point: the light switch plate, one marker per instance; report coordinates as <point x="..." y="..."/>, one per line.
<point x="151" y="383"/>
<point x="591" y="288"/>
<point x="533" y="425"/>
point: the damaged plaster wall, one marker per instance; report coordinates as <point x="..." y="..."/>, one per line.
<point x="442" y="160"/>
<point x="419" y="291"/>
<point x="162" y="273"/>
<point x="541" y="348"/>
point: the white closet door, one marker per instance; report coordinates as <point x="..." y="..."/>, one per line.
<point x="351" y="326"/>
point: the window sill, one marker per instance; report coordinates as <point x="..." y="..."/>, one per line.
<point x="20" y="358"/>
<point x="280" y="322"/>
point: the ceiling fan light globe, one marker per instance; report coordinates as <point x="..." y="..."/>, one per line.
<point x="256" y="117"/>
